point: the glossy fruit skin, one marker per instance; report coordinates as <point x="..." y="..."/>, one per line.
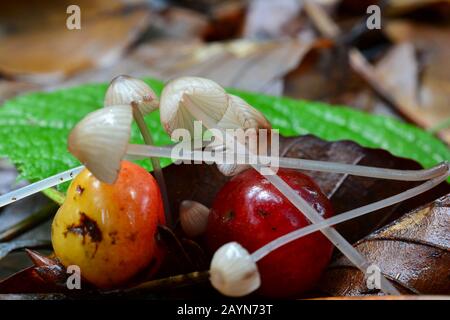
<point x="251" y="211"/>
<point x="109" y="230"/>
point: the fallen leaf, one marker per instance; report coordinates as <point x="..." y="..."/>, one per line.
<point x="433" y="94"/>
<point x="398" y="7"/>
<point x="348" y="192"/>
<point x="281" y="13"/>
<point x="176" y="22"/>
<point x="202" y="182"/>
<point x="413" y="251"/>
<point x="399" y="71"/>
<point x="248" y="65"/>
<point x="8" y="247"/>
<point x="25" y="281"/>
<point x="106" y="31"/>
<point x="226" y="21"/>
<point x="243" y="64"/>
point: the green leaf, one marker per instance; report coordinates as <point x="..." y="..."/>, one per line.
<point x="294" y="117"/>
<point x="34" y="127"/>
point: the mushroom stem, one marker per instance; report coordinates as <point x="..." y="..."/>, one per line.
<point x="39" y="186"/>
<point x="364" y="171"/>
<point x="302" y="164"/>
<point x="137" y="151"/>
<point x="139" y="118"/>
<point x="294" y="235"/>
<point x="303" y="206"/>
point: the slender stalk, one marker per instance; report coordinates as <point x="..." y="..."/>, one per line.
<point x="136" y="151"/>
<point x="28" y="223"/>
<point x="303" y="206"/>
<point x="294" y="163"/>
<point x="39" y="186"/>
<point x="139" y="118"/>
<point x="294" y="235"/>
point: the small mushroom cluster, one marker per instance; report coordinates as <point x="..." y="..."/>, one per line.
<point x="101" y="141"/>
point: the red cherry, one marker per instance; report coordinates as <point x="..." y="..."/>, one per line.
<point x="251" y="211"/>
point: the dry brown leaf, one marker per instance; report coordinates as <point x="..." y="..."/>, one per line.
<point x="413" y="251"/>
<point x="248" y="65"/>
<point x="433" y="94"/>
<point x="399" y="71"/>
<point x="42" y="48"/>
<point x="396" y="7"/>
<point x="180" y="23"/>
<point x="243" y="64"/>
<point x="259" y="25"/>
<point x="202" y="182"/>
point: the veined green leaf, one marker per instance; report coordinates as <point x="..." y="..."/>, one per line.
<point x="34" y="127"/>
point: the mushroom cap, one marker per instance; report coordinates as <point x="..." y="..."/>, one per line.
<point x="206" y="94"/>
<point x="100" y="141"/>
<point x="124" y="90"/>
<point x="233" y="271"/>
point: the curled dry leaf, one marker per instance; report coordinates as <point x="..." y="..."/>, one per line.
<point x="413" y="251"/>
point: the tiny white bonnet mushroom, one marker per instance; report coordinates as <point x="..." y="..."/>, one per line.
<point x="100" y="141"/>
<point x="124" y="90"/>
<point x="205" y="94"/>
<point x="233" y="272"/>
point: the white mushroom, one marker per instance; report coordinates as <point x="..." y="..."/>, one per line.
<point x="125" y="90"/>
<point x="205" y="94"/>
<point x="193" y="218"/>
<point x="233" y="272"/>
<point x="101" y="139"/>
